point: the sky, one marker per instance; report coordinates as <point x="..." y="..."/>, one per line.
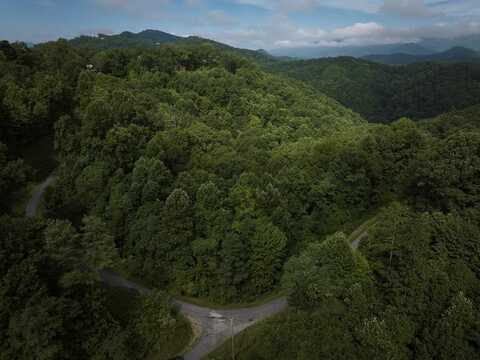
<point x="254" y="24"/>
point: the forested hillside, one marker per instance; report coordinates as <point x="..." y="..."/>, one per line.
<point x="127" y="39"/>
<point x="51" y="307"/>
<point x="150" y="39"/>
<point x="190" y="168"/>
<point x="185" y="154"/>
<point x="383" y="93"/>
<point x="412" y="289"/>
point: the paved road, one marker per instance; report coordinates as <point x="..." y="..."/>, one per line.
<point x="359" y="239"/>
<point x="214" y="324"/>
<point x="217" y="327"/>
<point x="34" y="201"/>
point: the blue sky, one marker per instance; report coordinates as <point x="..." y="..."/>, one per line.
<point x="245" y="23"/>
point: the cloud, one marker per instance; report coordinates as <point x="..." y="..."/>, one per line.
<point x="219" y="18"/>
<point x="281" y="32"/>
<point x="410" y="8"/>
<point x="358" y="30"/>
<point x="404" y="8"/>
<point x="456" y="8"/>
<point x="286" y="6"/>
<point x="145" y="8"/>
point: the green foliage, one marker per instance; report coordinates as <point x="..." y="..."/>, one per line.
<point x="13" y="175"/>
<point x="167" y="147"/>
<point x="206" y="176"/>
<point x="36" y="88"/>
<point x="383" y="93"/>
<point x="49" y="309"/>
<point x="98" y="245"/>
<point x="325" y="273"/>
<point x="268" y="250"/>
<point x="410" y="296"/>
<point x="155" y="321"/>
<point x="447" y="175"/>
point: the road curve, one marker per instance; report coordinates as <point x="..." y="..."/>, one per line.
<point x="32" y="205"/>
<point x="215" y="325"/>
<point x="356" y="243"/>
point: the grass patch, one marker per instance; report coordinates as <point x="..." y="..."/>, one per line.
<point x="246" y="343"/>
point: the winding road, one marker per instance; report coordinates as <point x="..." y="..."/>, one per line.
<point x="32" y="206"/>
<point x="214" y="325"/>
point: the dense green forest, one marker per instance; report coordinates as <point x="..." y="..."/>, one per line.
<point x="191" y="146"/>
<point x="383" y="93"/>
<point x="51" y="306"/>
<point x="189" y="167"/>
<point x="412" y="290"/>
<point x="150" y="39"/>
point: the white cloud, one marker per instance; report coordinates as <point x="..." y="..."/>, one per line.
<point x="281" y="32"/>
<point x="457" y="8"/>
<point x="409" y="8"/>
<point x="134" y="6"/>
<point x="278" y="30"/>
<point x="286" y="6"/>
<point x="219" y="18"/>
<point x="412" y="8"/>
<point x="358" y="30"/>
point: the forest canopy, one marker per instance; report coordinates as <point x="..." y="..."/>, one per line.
<point x="383" y="93"/>
<point x="189" y="167"/>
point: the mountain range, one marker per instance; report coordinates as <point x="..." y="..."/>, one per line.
<point x="313" y="52"/>
<point x="153" y="38"/>
<point x="146" y="38"/>
<point x="456" y="54"/>
<point x="462" y="49"/>
<point x="423" y="47"/>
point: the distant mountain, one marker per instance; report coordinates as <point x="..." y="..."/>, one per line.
<point x="427" y="46"/>
<point x="440" y="45"/>
<point x="257" y="55"/>
<point x="383" y="93"/>
<point x="456" y="54"/>
<point x="313" y="52"/>
<point x="147" y="38"/>
<point x="154" y="38"/>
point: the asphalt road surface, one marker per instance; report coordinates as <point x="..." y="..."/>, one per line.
<point x="215" y="325"/>
<point x="34" y="201"/>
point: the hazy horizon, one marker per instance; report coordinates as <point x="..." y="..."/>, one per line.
<point x="249" y="24"/>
